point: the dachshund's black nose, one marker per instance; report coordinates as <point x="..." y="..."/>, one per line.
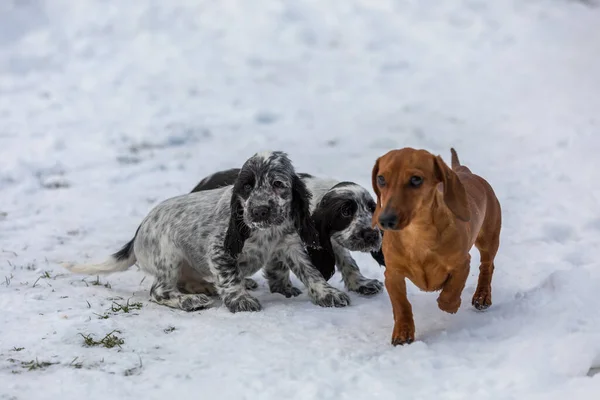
<point x="261" y="213"/>
<point x="388" y="220"/>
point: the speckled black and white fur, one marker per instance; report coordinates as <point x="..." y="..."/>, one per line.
<point x="224" y="235"/>
<point x="342" y="213"/>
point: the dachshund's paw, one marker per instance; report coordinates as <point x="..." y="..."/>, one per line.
<point x="329" y="297"/>
<point x="403" y="334"/>
<point x="194" y="302"/>
<point x="250" y="284"/>
<point x="287" y="290"/>
<point x="242" y="303"/>
<point x="450" y="306"/>
<point x="368" y="287"/>
<point x="482" y="299"/>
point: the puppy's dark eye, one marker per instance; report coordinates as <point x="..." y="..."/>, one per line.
<point x="277" y="184"/>
<point x="416" y="181"/>
<point x="371" y="206"/>
<point x="346" y="211"/>
<point x="248" y="187"/>
<point x="381" y="180"/>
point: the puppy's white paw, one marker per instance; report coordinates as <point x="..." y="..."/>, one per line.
<point x="287" y="290"/>
<point x="368" y="287"/>
<point x="242" y="303"/>
<point x="329" y="297"/>
<point x="194" y="302"/>
<point x="250" y="284"/>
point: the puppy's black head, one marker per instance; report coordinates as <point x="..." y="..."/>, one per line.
<point x="217" y="180"/>
<point x="351" y="207"/>
<point x="345" y="213"/>
<point x="266" y="194"/>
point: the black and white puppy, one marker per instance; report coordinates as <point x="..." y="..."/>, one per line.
<point x="342" y="213"/>
<point x="225" y="235"/>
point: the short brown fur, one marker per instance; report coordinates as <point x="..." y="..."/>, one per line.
<point x="438" y="222"/>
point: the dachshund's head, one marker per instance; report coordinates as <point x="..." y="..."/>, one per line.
<point x="406" y="182"/>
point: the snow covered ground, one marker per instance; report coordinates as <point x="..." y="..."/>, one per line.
<point x="109" y="107"/>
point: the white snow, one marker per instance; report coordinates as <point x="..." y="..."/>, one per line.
<point x="109" y="107"/>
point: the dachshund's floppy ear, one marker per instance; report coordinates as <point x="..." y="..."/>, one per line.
<point x="301" y="213"/>
<point x="378" y="254"/>
<point x="455" y="195"/>
<point x="374" y="174"/>
<point x="237" y="231"/>
<point x="322" y="258"/>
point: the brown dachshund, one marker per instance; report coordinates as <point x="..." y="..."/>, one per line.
<point x="432" y="215"/>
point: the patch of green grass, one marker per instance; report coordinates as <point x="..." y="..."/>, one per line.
<point x="18" y="348"/>
<point x="109" y="341"/>
<point x="126" y="308"/>
<point x="35" y="364"/>
<point x="104" y="316"/>
<point x="98" y="283"/>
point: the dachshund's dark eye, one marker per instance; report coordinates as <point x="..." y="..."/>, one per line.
<point x="371" y="206"/>
<point x="248" y="187"/>
<point x="277" y="184"/>
<point x="381" y="180"/>
<point x="346" y="211"/>
<point x="416" y="181"/>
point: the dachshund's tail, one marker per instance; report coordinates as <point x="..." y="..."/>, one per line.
<point x="455" y="160"/>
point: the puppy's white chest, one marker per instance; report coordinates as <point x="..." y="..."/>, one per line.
<point x="259" y="249"/>
<point x="262" y="245"/>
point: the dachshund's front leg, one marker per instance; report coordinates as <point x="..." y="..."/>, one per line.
<point x="404" y="324"/>
<point x="449" y="298"/>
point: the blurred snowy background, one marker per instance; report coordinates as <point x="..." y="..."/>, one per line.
<point x="109" y="107"/>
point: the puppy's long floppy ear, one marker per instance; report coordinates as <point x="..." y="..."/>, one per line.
<point x="323" y="258"/>
<point x="374" y="174"/>
<point x="237" y="231"/>
<point x="301" y="213"/>
<point x="455" y="195"/>
<point x="378" y="255"/>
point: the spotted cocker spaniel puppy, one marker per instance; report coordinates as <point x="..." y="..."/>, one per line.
<point x="225" y="235"/>
<point x="342" y="213"/>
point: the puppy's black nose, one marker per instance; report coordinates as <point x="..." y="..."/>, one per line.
<point x="261" y="213"/>
<point x="388" y="220"/>
<point x="369" y="235"/>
